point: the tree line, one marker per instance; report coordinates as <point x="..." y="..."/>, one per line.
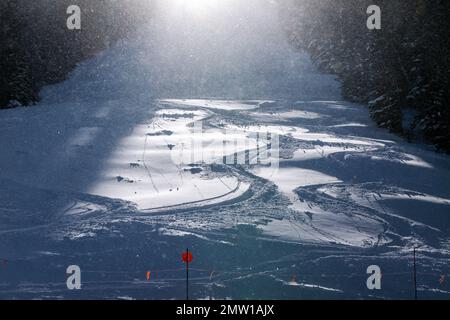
<point x="402" y="71"/>
<point x="37" y="48"/>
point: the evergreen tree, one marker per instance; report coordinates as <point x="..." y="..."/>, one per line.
<point x="398" y="70"/>
<point x="16" y="82"/>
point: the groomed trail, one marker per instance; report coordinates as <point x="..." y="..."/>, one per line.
<point x="121" y="167"/>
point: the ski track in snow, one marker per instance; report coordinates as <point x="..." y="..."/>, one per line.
<point x="110" y="182"/>
<point x="324" y="195"/>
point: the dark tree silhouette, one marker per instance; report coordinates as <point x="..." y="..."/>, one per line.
<point x="401" y="71"/>
<point x="37" y="49"/>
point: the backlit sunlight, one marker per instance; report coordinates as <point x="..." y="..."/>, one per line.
<point x="197" y="7"/>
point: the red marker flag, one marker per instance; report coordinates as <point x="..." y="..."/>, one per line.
<point x="187" y="257"/>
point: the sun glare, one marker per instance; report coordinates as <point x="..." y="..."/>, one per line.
<point x="197" y="7"/>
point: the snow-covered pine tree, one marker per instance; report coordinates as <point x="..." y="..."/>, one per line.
<point x="401" y="68"/>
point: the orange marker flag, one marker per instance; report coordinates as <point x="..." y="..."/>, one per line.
<point x="148" y="275"/>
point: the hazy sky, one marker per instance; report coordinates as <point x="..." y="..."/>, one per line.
<point x="201" y="48"/>
<point x="219" y="43"/>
